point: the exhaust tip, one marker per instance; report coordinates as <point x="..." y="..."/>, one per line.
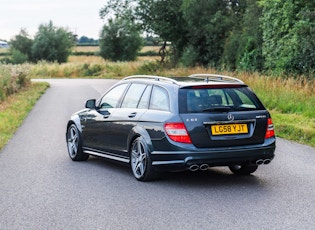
<point x="193" y="168"/>
<point x="259" y="162"/>
<point x="204" y="167"/>
<point x="267" y="161"/>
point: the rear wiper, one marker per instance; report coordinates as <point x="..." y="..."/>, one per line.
<point x="218" y="109"/>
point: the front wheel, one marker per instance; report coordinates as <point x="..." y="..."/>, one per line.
<point x="74" y="144"/>
<point x="243" y="169"/>
<point x="141" y="163"/>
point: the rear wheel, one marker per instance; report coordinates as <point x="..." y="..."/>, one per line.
<point x="243" y="169"/>
<point x="74" y="144"/>
<point x="141" y="163"/>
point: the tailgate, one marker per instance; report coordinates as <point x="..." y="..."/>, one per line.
<point x="226" y="129"/>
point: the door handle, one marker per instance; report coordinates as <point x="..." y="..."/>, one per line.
<point x="106" y="116"/>
<point x="131" y="115"/>
<point x="105" y="113"/>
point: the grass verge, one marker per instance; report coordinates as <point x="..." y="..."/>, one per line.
<point x="295" y="127"/>
<point x="15" y="109"/>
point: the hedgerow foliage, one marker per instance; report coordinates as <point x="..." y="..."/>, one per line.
<point x="12" y="79"/>
<point x="247" y="35"/>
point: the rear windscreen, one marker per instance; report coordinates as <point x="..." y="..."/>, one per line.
<point x="203" y="99"/>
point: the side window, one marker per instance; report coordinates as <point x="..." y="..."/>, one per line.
<point x="111" y="99"/>
<point x="159" y="99"/>
<point x="133" y="96"/>
<point x="144" y="101"/>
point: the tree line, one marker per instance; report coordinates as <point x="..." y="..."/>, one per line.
<point x="245" y="35"/>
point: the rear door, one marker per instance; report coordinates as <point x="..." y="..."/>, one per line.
<point x="127" y="115"/>
<point x="223" y="115"/>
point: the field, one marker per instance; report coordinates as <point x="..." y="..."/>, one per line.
<point x="290" y="100"/>
<point x="4" y="50"/>
<point x="96" y="49"/>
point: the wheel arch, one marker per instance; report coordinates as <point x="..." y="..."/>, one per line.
<point x="76" y="121"/>
<point x="136" y="132"/>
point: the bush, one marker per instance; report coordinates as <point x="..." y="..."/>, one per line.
<point x="91" y="70"/>
<point x="12" y="79"/>
<point x="18" y="57"/>
<point x="149" y="68"/>
<point x="21" y="44"/>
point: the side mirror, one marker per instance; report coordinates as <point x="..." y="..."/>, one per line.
<point x="90" y="104"/>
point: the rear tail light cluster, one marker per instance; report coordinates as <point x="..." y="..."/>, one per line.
<point x="177" y="132"/>
<point x="270" y="132"/>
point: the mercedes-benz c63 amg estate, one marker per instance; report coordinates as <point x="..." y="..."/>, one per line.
<point x="159" y="124"/>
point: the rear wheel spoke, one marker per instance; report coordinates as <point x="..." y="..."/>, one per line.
<point x="138" y="159"/>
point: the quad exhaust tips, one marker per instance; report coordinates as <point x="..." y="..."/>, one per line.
<point x="204" y="167"/>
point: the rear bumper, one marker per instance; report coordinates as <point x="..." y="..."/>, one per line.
<point x="182" y="160"/>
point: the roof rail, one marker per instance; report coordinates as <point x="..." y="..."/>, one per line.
<point x="215" y="77"/>
<point x="156" y="78"/>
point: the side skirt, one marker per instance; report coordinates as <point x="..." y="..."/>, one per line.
<point x="106" y="155"/>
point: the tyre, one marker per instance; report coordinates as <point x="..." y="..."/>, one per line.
<point x="243" y="169"/>
<point x="140" y="160"/>
<point x="74" y="144"/>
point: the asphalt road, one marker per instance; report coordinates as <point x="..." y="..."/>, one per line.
<point x="41" y="188"/>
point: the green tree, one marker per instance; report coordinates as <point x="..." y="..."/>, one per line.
<point x="120" y="40"/>
<point x="87" y="41"/>
<point x="209" y="23"/>
<point x="162" y="18"/>
<point x="288" y="35"/>
<point x="21" y="44"/>
<point x="52" y="44"/>
<point x="243" y="47"/>
<point x="165" y="19"/>
<point x="303" y="60"/>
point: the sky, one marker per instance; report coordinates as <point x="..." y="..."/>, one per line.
<point x="81" y="17"/>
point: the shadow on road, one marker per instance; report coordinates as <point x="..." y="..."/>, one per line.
<point x="214" y="177"/>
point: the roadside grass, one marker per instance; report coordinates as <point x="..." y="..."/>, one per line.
<point x="291" y="103"/>
<point x="295" y="127"/>
<point x="16" y="108"/>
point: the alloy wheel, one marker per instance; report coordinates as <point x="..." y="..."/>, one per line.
<point x="138" y="158"/>
<point x="73" y="141"/>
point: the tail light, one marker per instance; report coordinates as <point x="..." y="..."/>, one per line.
<point x="177" y="132"/>
<point x="270" y="132"/>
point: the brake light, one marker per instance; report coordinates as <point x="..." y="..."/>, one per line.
<point x="270" y="132"/>
<point x="177" y="132"/>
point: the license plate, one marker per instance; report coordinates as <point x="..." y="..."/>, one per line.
<point x="229" y="129"/>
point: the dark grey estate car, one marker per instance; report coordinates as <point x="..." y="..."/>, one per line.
<point x="158" y="124"/>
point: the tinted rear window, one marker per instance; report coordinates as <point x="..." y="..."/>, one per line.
<point x="196" y="100"/>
